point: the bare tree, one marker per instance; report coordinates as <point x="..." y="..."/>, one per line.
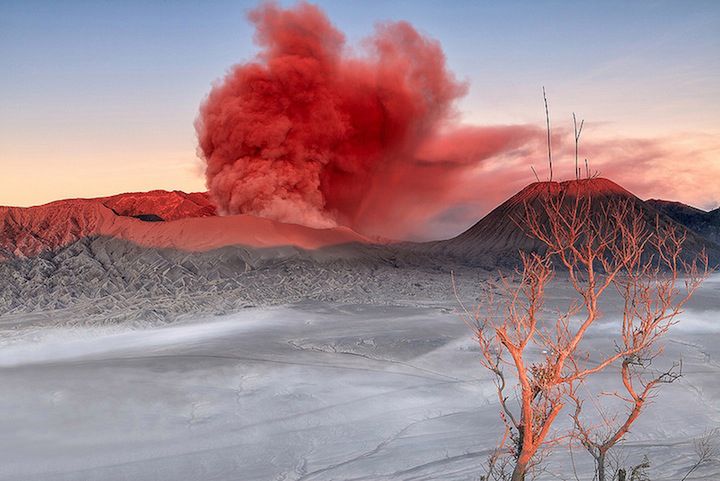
<point x="706" y="451"/>
<point x="598" y="440"/>
<point x="637" y="472"/>
<point x="498" y="467"/>
<point x="598" y="246"/>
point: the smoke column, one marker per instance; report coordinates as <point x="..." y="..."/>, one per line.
<point x="314" y="134"/>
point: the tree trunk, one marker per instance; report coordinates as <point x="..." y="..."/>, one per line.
<point x="522" y="461"/>
<point x="518" y="473"/>
<point x="600" y="461"/>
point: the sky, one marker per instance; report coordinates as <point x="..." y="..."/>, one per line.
<point x="100" y="97"/>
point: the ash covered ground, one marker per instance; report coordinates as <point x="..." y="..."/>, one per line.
<point x="292" y="371"/>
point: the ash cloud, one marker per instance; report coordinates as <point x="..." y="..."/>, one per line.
<point x="312" y="133"/>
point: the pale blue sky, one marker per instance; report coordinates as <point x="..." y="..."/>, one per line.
<point x="99" y="97"/>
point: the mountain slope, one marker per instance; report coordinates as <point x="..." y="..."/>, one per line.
<point x="161" y="203"/>
<point x="707" y="224"/>
<point x="26" y="232"/>
<point x="498" y="237"/>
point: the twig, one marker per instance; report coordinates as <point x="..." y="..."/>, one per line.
<point x="577" y="142"/>
<point x="547" y="119"/>
<point x="536" y="176"/>
<point x="706" y="450"/>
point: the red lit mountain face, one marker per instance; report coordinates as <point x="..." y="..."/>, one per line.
<point x="161" y="204"/>
<point x="189" y="223"/>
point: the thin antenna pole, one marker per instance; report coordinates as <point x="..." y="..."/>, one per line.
<point x="547" y="118"/>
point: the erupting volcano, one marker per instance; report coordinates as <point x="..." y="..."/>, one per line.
<point x="316" y="133"/>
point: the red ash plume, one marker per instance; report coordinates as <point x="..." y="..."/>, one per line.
<point x="314" y="134"/>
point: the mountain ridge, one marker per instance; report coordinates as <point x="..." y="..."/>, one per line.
<point x="705" y="223"/>
<point x="29" y="231"/>
<point x="189" y="222"/>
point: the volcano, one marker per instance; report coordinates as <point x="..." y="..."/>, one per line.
<point x="157" y="219"/>
<point x="498" y="237"/>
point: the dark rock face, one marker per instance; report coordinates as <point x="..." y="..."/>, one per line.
<point x="707" y="224"/>
<point x="149" y="218"/>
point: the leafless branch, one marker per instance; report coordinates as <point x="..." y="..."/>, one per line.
<point x="602" y="247"/>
